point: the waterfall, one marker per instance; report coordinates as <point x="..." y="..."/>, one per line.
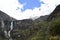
<point x="9" y="33"/>
<point x="5" y="33"/>
<point x="11" y="28"/>
<point x="11" y="25"/>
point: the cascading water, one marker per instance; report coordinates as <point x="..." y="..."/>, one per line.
<point x="11" y="28"/>
<point x="11" y="25"/>
<point x="7" y="33"/>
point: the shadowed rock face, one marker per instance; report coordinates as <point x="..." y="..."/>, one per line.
<point x="5" y="23"/>
<point x="23" y="24"/>
<point x="6" y="20"/>
<point x="54" y="13"/>
<point x="4" y="16"/>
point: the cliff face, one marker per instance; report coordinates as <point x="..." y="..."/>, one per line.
<point x="26" y="23"/>
<point x="5" y="23"/>
<point x="17" y="24"/>
<point x="6" y="20"/>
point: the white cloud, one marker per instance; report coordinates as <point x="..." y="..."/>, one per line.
<point x="49" y="6"/>
<point x="10" y="6"/>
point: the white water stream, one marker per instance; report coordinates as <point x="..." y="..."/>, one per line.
<point x="11" y="28"/>
<point x="7" y="34"/>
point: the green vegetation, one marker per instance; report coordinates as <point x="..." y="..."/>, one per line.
<point x="43" y="30"/>
<point x="37" y="30"/>
<point x="55" y="27"/>
<point x="49" y="30"/>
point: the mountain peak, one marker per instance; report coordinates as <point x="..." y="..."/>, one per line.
<point x="4" y="16"/>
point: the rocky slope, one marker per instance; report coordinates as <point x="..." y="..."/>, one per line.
<point x="4" y="16"/>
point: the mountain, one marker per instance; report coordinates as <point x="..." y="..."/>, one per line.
<point x="38" y="29"/>
<point x="23" y="24"/>
<point x="18" y="25"/>
<point x="6" y="23"/>
<point x="4" y="16"/>
<point x="41" y="18"/>
<point x="50" y="29"/>
<point x="54" y="14"/>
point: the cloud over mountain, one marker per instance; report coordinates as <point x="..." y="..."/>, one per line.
<point x="13" y="8"/>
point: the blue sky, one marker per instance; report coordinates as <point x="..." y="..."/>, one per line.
<point x="30" y="4"/>
<point x="25" y="9"/>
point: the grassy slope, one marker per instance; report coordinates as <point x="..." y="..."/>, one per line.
<point x="44" y="33"/>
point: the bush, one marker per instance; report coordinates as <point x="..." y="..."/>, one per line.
<point x="55" y="27"/>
